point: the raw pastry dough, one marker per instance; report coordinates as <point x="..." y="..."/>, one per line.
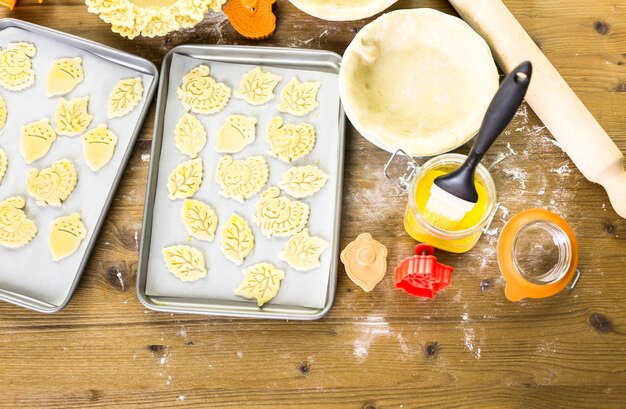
<point x="185" y="262"/>
<point x="3" y="112"/>
<point x="290" y="142"/>
<point x="237" y="239"/>
<point x="16" y="68"/>
<point x="279" y="216"/>
<point x="65" y="75"/>
<point x="303" y="251"/>
<point x="201" y="94"/>
<point x="241" y="179"/>
<point x="125" y="97"/>
<point x="257" y="87"/>
<point x="15" y="228"/>
<point x="66" y="234"/>
<point x="303" y="181"/>
<point x="4" y="163"/>
<point x="72" y="117"/>
<point x="190" y="135"/>
<point x="199" y="219"/>
<point x="262" y="282"/>
<point x="52" y="185"/>
<point x="185" y="179"/>
<point x="36" y="139"/>
<point x="238" y="132"/>
<point x="98" y="147"/>
<point x="342" y="10"/>
<point x="299" y="98"/>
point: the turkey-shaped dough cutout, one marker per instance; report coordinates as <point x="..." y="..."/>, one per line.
<point x="185" y="262"/>
<point x="199" y="219"/>
<point x="16" y="67"/>
<point x="52" y="185"/>
<point x="299" y="98"/>
<point x="237" y="239"/>
<point x="303" y="251"/>
<point x="4" y="163"/>
<point x="16" y="229"/>
<point x="65" y="75"/>
<point x="72" y="117"/>
<point x="66" y="234"/>
<point x="201" y="94"/>
<point x="291" y="141"/>
<point x="257" y="87"/>
<point x="125" y="96"/>
<point x="185" y="180"/>
<point x="190" y="135"/>
<point x="303" y="181"/>
<point x="262" y="281"/>
<point x="238" y="132"/>
<point x="279" y="216"/>
<point x="241" y="179"/>
<point x="4" y="112"/>
<point x="36" y="139"/>
<point x="98" y="147"/>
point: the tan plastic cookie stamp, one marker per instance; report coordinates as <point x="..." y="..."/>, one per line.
<point x="72" y="117"/>
<point x="98" y="147"/>
<point x="125" y="97"/>
<point x="299" y="98"/>
<point x="279" y="216"/>
<point x="190" y="135"/>
<point x="66" y="234"/>
<point x="303" y="181"/>
<point x="365" y="260"/>
<point x="185" y="179"/>
<point x="185" y="262"/>
<point x="36" y="139"/>
<point x="199" y="219"/>
<point x="241" y="179"/>
<point x="303" y="251"/>
<point x="4" y="163"/>
<point x="52" y="185"/>
<point x="237" y="239"/>
<point x="64" y="76"/>
<point x="201" y="94"/>
<point x="16" y="229"/>
<point x="262" y="282"/>
<point x="238" y="132"/>
<point x="16" y="67"/>
<point x="257" y="87"/>
<point x="291" y="141"/>
<point x="3" y="112"/>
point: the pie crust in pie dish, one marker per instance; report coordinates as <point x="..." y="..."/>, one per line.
<point x="342" y="10"/>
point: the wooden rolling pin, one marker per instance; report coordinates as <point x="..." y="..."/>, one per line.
<point x="554" y="102"/>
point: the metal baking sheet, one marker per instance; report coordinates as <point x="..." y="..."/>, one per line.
<point x="28" y="275"/>
<point x="303" y="295"/>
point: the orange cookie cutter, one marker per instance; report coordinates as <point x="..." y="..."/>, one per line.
<point x="253" y="19"/>
<point x="10" y="4"/>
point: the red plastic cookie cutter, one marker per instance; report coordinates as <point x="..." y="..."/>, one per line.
<point x="421" y="275"/>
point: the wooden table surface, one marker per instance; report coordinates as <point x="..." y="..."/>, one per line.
<point x="469" y="347"/>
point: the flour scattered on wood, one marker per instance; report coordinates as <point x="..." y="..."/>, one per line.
<point x="562" y="170"/>
<point x="519" y="175"/>
<point x="372" y="328"/>
<point x="145" y="157"/>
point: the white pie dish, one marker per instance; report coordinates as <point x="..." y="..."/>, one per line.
<point x="342" y="10"/>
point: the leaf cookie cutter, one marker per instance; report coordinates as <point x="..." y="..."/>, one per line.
<point x="422" y="275"/>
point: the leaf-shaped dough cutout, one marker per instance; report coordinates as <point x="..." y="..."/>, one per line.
<point x="66" y="234"/>
<point x="303" y="181"/>
<point x="65" y="75"/>
<point x="185" y="262"/>
<point x="36" y="139"/>
<point x="4" y="163"/>
<point x="16" y="67"/>
<point x="291" y="141"/>
<point x="257" y="87"/>
<point x="299" y="98"/>
<point x="16" y="229"/>
<point x="201" y="94"/>
<point x="199" y="219"/>
<point x="238" y="132"/>
<point x="3" y="112"/>
<point x="125" y="97"/>
<point x="52" y="185"/>
<point x="237" y="239"/>
<point x="303" y="251"/>
<point x="241" y="179"/>
<point x="185" y="180"/>
<point x="262" y="281"/>
<point x="190" y="135"/>
<point x="279" y="216"/>
<point x="98" y="147"/>
<point x="72" y="117"/>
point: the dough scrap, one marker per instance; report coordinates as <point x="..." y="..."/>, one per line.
<point x="238" y="132"/>
<point x="125" y="96"/>
<point x="262" y="281"/>
<point x="3" y="112"/>
<point x="64" y="76"/>
<point x="190" y="135"/>
<point x="98" y="147"/>
<point x="66" y="234"/>
<point x="237" y="239"/>
<point x="185" y="180"/>
<point x="291" y="141"/>
<point x="201" y="94"/>
<point x="303" y="181"/>
<point x="303" y="251"/>
<point x="36" y="139"/>
<point x="279" y="216"/>
<point x="52" y="185"/>
<point x="257" y="87"/>
<point x="299" y="98"/>
<point x="4" y="163"/>
<point x="16" y="229"/>
<point x="185" y="262"/>
<point x="241" y="179"/>
<point x="72" y="117"/>
<point x="199" y="219"/>
<point x="16" y="67"/>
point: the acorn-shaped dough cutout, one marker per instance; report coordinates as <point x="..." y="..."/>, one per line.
<point x="66" y="234"/>
<point x="64" y="76"/>
<point x="98" y="147"/>
<point x="36" y="140"/>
